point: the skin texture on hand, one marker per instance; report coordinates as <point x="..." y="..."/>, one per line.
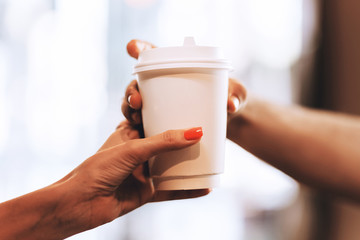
<point x="105" y="186"/>
<point x="123" y="185"/>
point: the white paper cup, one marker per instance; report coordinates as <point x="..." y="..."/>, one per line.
<point x="185" y="87"/>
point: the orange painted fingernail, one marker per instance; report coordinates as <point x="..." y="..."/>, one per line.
<point x="193" y="133"/>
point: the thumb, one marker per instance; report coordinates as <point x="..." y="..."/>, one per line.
<point x="121" y="160"/>
<point x="143" y="149"/>
<point x="135" y="47"/>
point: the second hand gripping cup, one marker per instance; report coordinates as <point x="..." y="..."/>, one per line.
<point x="184" y="87"/>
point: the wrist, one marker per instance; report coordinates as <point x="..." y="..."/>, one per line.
<point x="48" y="213"/>
<point x="73" y="212"/>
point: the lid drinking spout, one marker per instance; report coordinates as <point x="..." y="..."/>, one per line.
<point x="189" y="55"/>
<point x="189" y="41"/>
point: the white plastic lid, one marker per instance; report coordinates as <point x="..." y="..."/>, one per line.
<point x="187" y="56"/>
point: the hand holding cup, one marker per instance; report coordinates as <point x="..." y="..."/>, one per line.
<point x="183" y="87"/>
<point x="131" y="106"/>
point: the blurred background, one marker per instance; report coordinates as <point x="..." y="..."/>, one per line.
<point x="63" y="73"/>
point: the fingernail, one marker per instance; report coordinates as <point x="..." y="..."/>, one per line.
<point x="129" y="100"/>
<point x="236" y="103"/>
<point x="142" y="46"/>
<point x="193" y="133"/>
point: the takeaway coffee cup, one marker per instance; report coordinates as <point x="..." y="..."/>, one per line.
<point x="184" y="87"/>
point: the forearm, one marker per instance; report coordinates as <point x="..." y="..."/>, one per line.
<point x="48" y="213"/>
<point x="316" y="147"/>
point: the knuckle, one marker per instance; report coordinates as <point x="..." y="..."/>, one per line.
<point x="132" y="151"/>
<point x="130" y="146"/>
<point x="169" y="136"/>
<point x="125" y="110"/>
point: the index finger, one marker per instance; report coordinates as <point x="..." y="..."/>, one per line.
<point x="132" y="95"/>
<point x="131" y="104"/>
<point x="135" y="47"/>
